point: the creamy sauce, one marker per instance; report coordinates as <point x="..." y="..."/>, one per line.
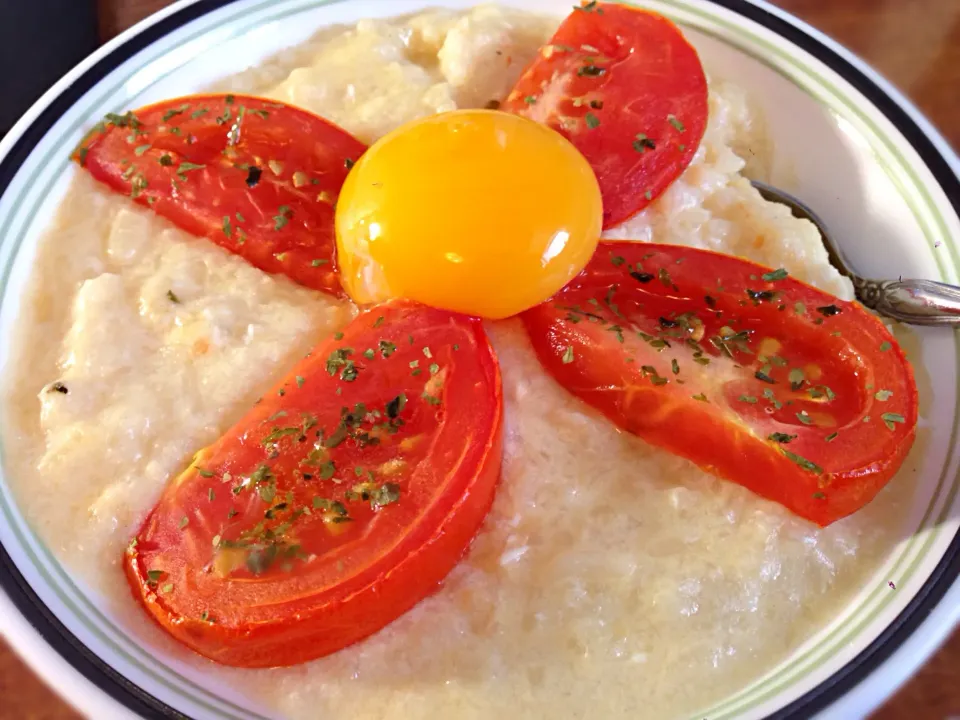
<point x="610" y="580"/>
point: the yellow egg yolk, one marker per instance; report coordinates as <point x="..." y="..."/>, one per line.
<point x="474" y="211"/>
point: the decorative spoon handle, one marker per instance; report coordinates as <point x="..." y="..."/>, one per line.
<point x="920" y="302"/>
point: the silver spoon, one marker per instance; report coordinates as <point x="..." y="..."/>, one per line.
<point x="918" y="302"/>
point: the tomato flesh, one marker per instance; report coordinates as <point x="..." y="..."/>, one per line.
<point x="628" y="90"/>
<point x="801" y="397"/>
<point x="336" y="504"/>
<point x="256" y="177"/>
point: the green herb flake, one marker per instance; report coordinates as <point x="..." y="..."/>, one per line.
<point x="748" y="399"/>
<point x="803" y="417"/>
<point x="203" y="472"/>
<point x="211" y="495"/>
<point x="591" y="71"/>
<point x="883" y="395"/>
<point x="674" y="365"/>
<point x="802" y="462"/>
<point x="588" y="7"/>
<point x="592" y="120"/>
<point x="174" y="112"/>
<point x="184" y="521"/>
<point x="642" y="143"/>
<point x="387" y="348"/>
<point x="701" y="397"/>
<point x="885" y="345"/>
<point x="186" y="167"/>
<point x="396" y="406"/>
<point x="349" y="372"/>
<point x="227" y="227"/>
<point x="799" y="308"/>
<point x="530" y="100"/>
<point x="318" y="263"/>
<point x="387" y="494"/>
<point x="778" y="274"/>
<point x="267" y="493"/>
<point x="167" y="588"/>
<point x="172" y="297"/>
<point x="300" y="381"/>
<point x="155" y="576"/>
<point x="282" y="217"/>
<point x="568" y="355"/>
<point x="678" y="126"/>
<point x="762" y="375"/>
<point x="796" y="378"/>
<point x="327" y="470"/>
<point x="831" y="437"/>
<point x="260" y="560"/>
<point x="818" y="496"/>
<point x="141" y="149"/>
<point x="782" y="438"/>
<point x="890" y="418"/>
<point x="759" y="296"/>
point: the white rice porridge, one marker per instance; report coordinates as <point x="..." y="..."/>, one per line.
<point x="611" y="579"/>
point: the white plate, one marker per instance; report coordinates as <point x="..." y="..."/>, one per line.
<point x="845" y="141"/>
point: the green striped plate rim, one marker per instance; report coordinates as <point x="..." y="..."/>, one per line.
<point x="713" y="21"/>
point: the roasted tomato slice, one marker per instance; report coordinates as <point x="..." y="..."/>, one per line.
<point x="258" y="178"/>
<point x="627" y="89"/>
<point x="339" y="502"/>
<point x="756" y="377"/>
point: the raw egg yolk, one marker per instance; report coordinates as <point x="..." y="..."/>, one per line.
<point x="474" y="211"/>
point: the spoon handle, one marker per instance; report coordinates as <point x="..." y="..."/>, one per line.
<point x="919" y="302"/>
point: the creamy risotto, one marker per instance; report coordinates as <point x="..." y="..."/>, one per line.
<point x="610" y="580"/>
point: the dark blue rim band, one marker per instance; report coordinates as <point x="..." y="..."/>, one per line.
<point x="829" y="691"/>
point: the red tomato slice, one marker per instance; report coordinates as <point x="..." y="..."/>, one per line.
<point x="339" y="502"/>
<point x="800" y="397"/>
<point x="257" y="177"/>
<point x="627" y="89"/>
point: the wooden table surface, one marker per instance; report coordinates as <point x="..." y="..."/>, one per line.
<point x="916" y="45"/>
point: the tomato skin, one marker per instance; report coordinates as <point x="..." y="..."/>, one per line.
<point x="853" y="380"/>
<point x="180" y="157"/>
<point x="346" y="581"/>
<point x="641" y="100"/>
